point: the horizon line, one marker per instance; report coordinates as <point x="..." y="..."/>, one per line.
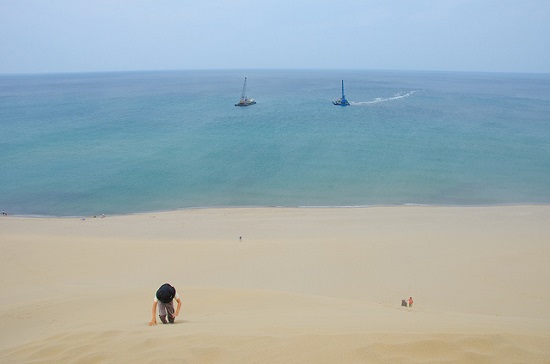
<point x="265" y="69"/>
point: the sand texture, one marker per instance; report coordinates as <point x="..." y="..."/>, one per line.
<point x="305" y="285"/>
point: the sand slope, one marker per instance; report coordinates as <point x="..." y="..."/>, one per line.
<point x="303" y="285"/>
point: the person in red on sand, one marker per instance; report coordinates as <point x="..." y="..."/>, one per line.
<point x="410" y="301"/>
<point x="164" y="299"/>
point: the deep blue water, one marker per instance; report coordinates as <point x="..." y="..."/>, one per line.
<point x="84" y="144"/>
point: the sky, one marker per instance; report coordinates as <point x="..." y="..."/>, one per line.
<point x="39" y="36"/>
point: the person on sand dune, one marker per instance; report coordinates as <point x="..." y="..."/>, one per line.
<point x="410" y="301"/>
<point x="164" y="299"/>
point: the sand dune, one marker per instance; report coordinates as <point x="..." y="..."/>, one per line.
<point x="303" y="286"/>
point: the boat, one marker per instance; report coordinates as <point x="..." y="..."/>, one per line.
<point x="245" y="101"/>
<point x="341" y="101"/>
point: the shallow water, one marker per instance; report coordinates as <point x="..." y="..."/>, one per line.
<point x="84" y="144"/>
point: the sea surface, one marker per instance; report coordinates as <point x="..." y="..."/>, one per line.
<point x="118" y="143"/>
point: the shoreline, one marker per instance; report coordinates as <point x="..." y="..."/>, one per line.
<point x="275" y="207"/>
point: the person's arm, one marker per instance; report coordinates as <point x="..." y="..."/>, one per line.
<point x="177" y="308"/>
<point x="154" y="316"/>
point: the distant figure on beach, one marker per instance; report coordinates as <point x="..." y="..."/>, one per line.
<point x="410" y="301"/>
<point x="164" y="299"/>
<point x="404" y="303"/>
<point x="240" y="238"/>
<point x="4" y="213"/>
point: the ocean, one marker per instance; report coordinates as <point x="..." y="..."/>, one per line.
<point x="120" y="143"/>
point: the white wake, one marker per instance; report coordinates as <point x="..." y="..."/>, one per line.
<point x="397" y="96"/>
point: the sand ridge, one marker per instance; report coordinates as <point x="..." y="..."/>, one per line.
<point x="304" y="285"/>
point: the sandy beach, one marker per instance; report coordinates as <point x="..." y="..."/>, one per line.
<point x="303" y="285"/>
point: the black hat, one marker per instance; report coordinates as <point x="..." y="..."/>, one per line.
<point x="166" y="293"/>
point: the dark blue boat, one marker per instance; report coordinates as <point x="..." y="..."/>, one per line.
<point x="341" y="101"/>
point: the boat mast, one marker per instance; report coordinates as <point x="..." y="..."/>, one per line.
<point x="243" y="96"/>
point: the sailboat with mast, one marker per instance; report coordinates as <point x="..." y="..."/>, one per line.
<point x="341" y="101"/>
<point x="245" y="101"/>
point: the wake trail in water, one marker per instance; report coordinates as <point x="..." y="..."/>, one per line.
<point x="397" y="96"/>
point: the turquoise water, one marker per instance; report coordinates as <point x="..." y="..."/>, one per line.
<point x="84" y="144"/>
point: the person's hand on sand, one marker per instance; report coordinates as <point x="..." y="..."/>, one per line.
<point x="152" y="323"/>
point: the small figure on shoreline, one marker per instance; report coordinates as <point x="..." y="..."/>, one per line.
<point x="4" y="213"/>
<point x="164" y="299"/>
<point x="410" y="301"/>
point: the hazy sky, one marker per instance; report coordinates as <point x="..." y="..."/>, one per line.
<point x="114" y="35"/>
